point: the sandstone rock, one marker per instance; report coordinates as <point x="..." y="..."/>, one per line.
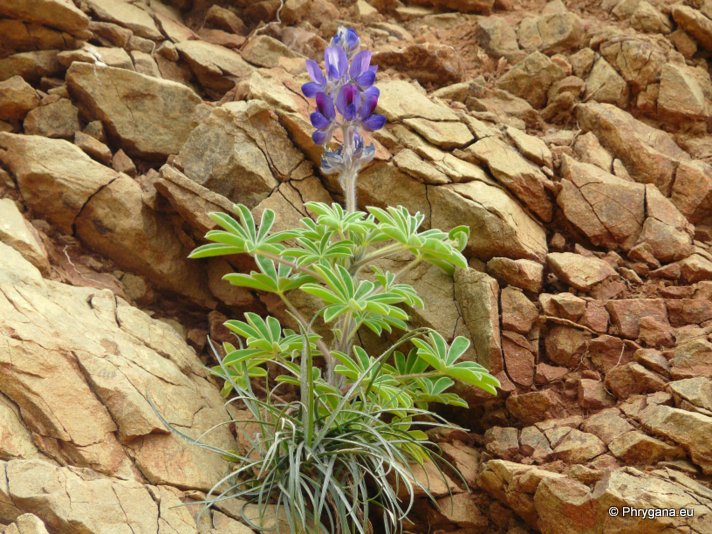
<point x="607" y="425"/>
<point x="149" y="117"/>
<point x="551" y="33"/>
<point x="546" y="373"/>
<point x="626" y="314"/>
<point x="61" y="14"/>
<point x="428" y="63"/>
<point x="96" y="360"/>
<point x="691" y="359"/>
<point x="564" y="505"/>
<point x="578" y="447"/>
<point x="531" y="78"/>
<point x="58" y="119"/>
<point x="531" y="147"/>
<point x="216" y="67"/>
<point x="650" y="155"/>
<point x="116" y="223"/>
<point x="564" y="305"/>
<point x="607" y="209"/>
<point x="688" y="429"/>
<point x="504" y="228"/>
<point x="16" y="440"/>
<point x="444" y="134"/>
<point x="566" y="346"/>
<point x="533" y="443"/>
<point x="464" y="6"/>
<point x="502" y="442"/>
<point x="241" y="152"/>
<point x="579" y="271"/>
<point x="524" y="274"/>
<point x="401" y="99"/>
<point x="224" y="19"/>
<point x="589" y="150"/>
<point x="497" y="37"/>
<point x="518" y="312"/>
<point x="685" y="95"/>
<point x="93" y="147"/>
<point x="478" y="297"/>
<point x="604" y="84"/>
<point x="692" y="191"/>
<point x="30" y="65"/>
<point x="265" y="51"/>
<point x="637" y="58"/>
<point x="695" y="268"/>
<point x="409" y="162"/>
<point x="466" y="459"/>
<point x="637" y="448"/>
<point x="648" y="19"/>
<point x="693" y="393"/>
<point x="20" y="235"/>
<point x="695" y="23"/>
<point x="535" y="406"/>
<point x="522" y="178"/>
<point x="128" y="15"/>
<point x="519" y="359"/>
<point x="55" y="177"/>
<point x="632" y="378"/>
<point x="26" y="524"/>
<point x="17" y="97"/>
<point x="462" y="510"/>
<point x="593" y="395"/>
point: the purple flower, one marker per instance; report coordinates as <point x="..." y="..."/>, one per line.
<point x="370" y="120"/>
<point x="346" y="38"/>
<point x="337" y="64"/>
<point x="323" y="118"/>
<point x="348" y="101"/>
<point x="318" y="83"/>
<point x="361" y="73"/>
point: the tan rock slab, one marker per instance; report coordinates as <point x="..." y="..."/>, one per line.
<point x="17" y="97"/>
<point x="216" y="67"/>
<point x="401" y="99"/>
<point x="128" y="15"/>
<point x="580" y="272"/>
<point x="149" y="117"/>
<point x="58" y="119"/>
<point x="61" y="14"/>
<point x="55" y="177"/>
<point x="17" y="232"/>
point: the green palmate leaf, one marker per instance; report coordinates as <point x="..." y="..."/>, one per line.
<point x="273" y="278"/>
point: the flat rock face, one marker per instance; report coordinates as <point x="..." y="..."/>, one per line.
<point x="97" y="361"/>
<point x="61" y="14"/>
<point x="148" y="117"/>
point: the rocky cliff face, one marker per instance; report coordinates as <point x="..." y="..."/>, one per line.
<point x="574" y="138"/>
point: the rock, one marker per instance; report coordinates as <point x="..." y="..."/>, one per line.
<point x="579" y="271"/>
<point x="637" y="448"/>
<point x="519" y="359"/>
<point x="93" y="147"/>
<point x="693" y="394"/>
<point x="463" y="6"/>
<point x="61" y="14"/>
<point x="589" y="150"/>
<point x="16" y="438"/>
<point x="533" y="443"/>
<point x="224" y="19"/>
<point x="522" y="178"/>
<point x="266" y="51"/>
<point x="105" y="357"/>
<point x="566" y="346"/>
<point x="428" y="63"/>
<point x="695" y="23"/>
<point x="17" y="97"/>
<point x="692" y="359"/>
<point x="650" y="155"/>
<point x="637" y="58"/>
<point x="606" y="209"/>
<point x="685" y="93"/>
<point x="30" y="65"/>
<point x="695" y="268"/>
<point x="626" y="314"/>
<point x="531" y="78"/>
<point x="58" y="119"/>
<point x="692" y="190"/>
<point x="518" y="312"/>
<point x="665" y="231"/>
<point x="578" y="447"/>
<point x="401" y="99"/>
<point x="535" y="406"/>
<point x="604" y="84"/>
<point x="410" y="163"/>
<point x="498" y="38"/>
<point x="128" y="15"/>
<point x="551" y="33"/>
<point x="565" y="305"/>
<point x="466" y="459"/>
<point x="647" y="19"/>
<point x="20" y="235"/>
<point x="546" y="374"/>
<point x="149" y="117"/>
<point x="478" y="297"/>
<point x="688" y="429"/>
<point x="55" y="177"/>
<point x="564" y="505"/>
<point x="502" y="442"/>
<point x="504" y="228"/>
<point x="116" y="223"/>
<point x="241" y="152"/>
<point x="531" y="147"/>
<point x="444" y="134"/>
<point x="216" y="67"/>
<point x="607" y="425"/>
<point x="524" y="274"/>
<point x="462" y="510"/>
<point x="593" y="395"/>
<point x="632" y="378"/>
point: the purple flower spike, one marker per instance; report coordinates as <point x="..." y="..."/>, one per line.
<point x="337" y="64"/>
<point x="318" y="82"/>
<point x="347" y="38"/>
<point x="369" y="101"/>
<point x="325" y="105"/>
<point x="374" y="122"/>
<point x="348" y="101"/>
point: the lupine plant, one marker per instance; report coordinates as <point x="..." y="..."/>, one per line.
<point x="341" y="451"/>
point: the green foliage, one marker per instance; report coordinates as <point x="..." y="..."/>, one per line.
<point x="360" y="419"/>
